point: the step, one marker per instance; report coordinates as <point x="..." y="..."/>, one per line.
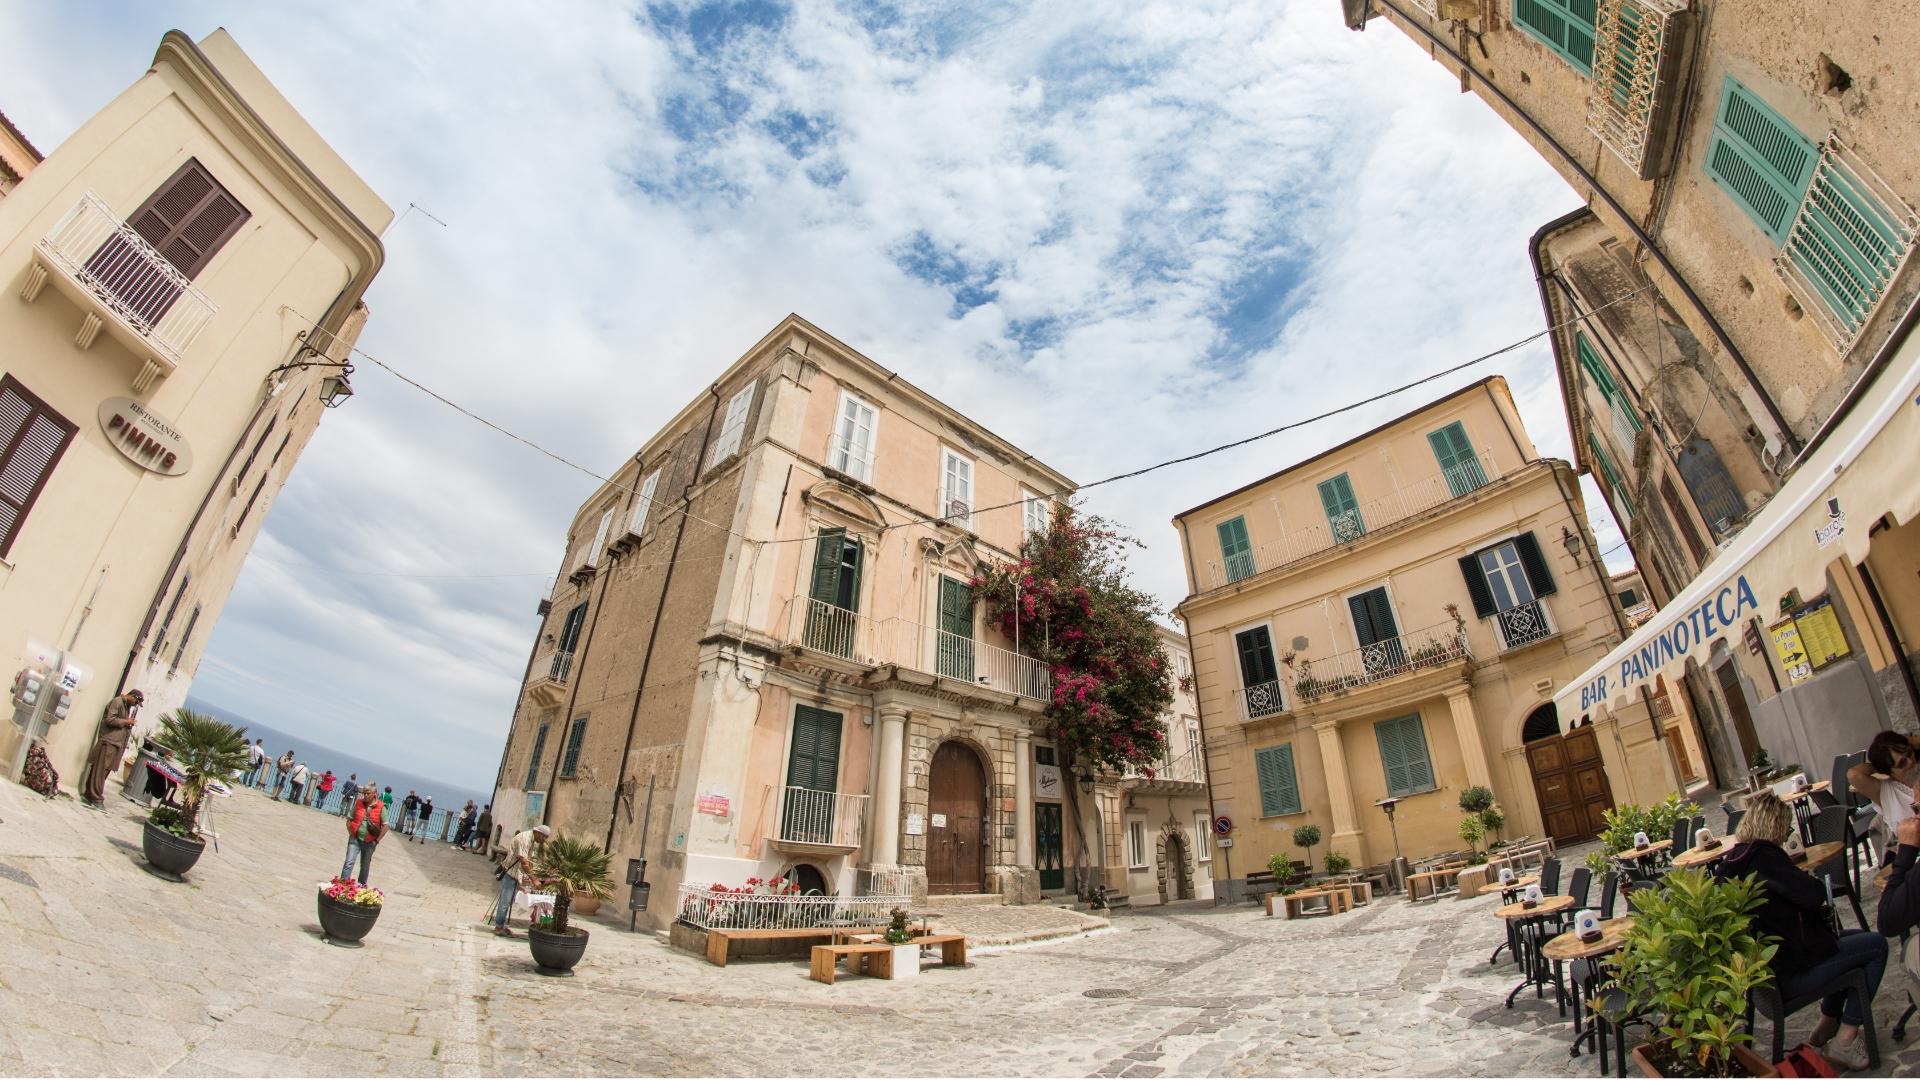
<point x="936" y="902"/>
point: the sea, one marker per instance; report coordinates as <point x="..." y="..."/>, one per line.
<point x="446" y="795"/>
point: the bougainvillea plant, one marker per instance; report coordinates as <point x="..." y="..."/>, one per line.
<point x="1070" y="601"/>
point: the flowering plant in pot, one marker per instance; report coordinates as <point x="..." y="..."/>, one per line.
<point x="205" y="750"/>
<point x="348" y="910"/>
<point x="906" y="955"/>
<point x="569" y="866"/>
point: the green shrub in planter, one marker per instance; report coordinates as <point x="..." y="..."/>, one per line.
<point x="1622" y="822"/>
<point x="1338" y="863"/>
<point x="1306" y="836"/>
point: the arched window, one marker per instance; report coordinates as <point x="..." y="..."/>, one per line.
<point x="1542" y="723"/>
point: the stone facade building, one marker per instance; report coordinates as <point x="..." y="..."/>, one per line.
<point x="17" y="156"/>
<point x="1739" y="278"/>
<point x="1389" y="620"/>
<point x="1166" y="837"/>
<point x="764" y="656"/>
<point x="184" y="278"/>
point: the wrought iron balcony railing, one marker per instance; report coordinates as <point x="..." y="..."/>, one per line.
<point x="1523" y="625"/>
<point x="1418" y="650"/>
<point x="833" y="630"/>
<point x="1636" y="75"/>
<point x="1262" y="701"/>
<point x="822" y="818"/>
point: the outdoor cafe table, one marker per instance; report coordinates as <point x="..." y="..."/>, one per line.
<point x="1507" y="888"/>
<point x="1699" y="855"/>
<point x="1530" y="922"/>
<point x="1640" y="856"/>
<point x="1568" y="948"/>
<point x="1818" y="855"/>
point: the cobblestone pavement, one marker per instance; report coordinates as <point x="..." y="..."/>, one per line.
<point x="106" y="969"/>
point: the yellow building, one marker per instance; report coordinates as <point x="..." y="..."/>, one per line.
<point x="166" y="269"/>
<point x="17" y="156"/>
<point x="1391" y="619"/>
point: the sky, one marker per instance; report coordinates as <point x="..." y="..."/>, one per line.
<point x="1112" y="233"/>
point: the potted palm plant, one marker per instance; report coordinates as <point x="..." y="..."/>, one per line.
<point x="204" y="749"/>
<point x="1687" y="965"/>
<point x="571" y="867"/>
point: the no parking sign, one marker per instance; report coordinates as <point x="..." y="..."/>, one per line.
<point x="1222" y="825"/>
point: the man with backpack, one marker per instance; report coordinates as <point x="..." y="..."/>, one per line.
<point x="408" y="807"/>
<point x="365" y="826"/>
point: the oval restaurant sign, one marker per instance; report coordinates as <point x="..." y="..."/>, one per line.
<point x="147" y="440"/>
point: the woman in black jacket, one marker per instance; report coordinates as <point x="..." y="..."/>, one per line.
<point x="1794" y="914"/>
<point x="1900" y="900"/>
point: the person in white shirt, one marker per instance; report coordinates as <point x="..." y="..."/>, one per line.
<point x="256" y="762"/>
<point x="516" y="872"/>
<point x="1888" y="778"/>
<point x="298" y="780"/>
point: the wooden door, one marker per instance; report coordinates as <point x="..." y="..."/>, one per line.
<point x="1049" y="849"/>
<point x="1729" y="679"/>
<point x="956" y="822"/>
<point x="1570" y="782"/>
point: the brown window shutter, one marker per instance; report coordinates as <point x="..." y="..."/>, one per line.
<point x="32" y="438"/>
<point x="189" y="218"/>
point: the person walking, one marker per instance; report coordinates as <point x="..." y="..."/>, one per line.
<point x="386" y="800"/>
<point x="423" y="833"/>
<point x="326" y="790"/>
<point x="256" y="762"/>
<point x="349" y="791"/>
<point x="407" y="808"/>
<point x="110" y="745"/>
<point x="516" y="873"/>
<point x="483" y="829"/>
<point x="366" y="824"/>
<point x="281" y="770"/>
<point x="297" y="783"/>
<point x="464" y="831"/>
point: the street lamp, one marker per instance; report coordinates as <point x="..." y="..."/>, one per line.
<point x="1571" y="542"/>
<point x="335" y="389"/>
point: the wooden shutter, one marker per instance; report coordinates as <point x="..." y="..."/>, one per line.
<point x="954" y="657"/>
<point x="1683" y="521"/>
<point x="1612" y="475"/>
<point x="1759" y="159"/>
<point x="258" y="445"/>
<point x="1256" y="656"/>
<point x="643" y="504"/>
<point x="571" y="762"/>
<point x="1565" y="26"/>
<point x="852" y="560"/>
<point x="813" y="762"/>
<point x="32" y="439"/>
<point x="166" y="624"/>
<point x="1535" y="564"/>
<point x="1849" y="245"/>
<point x="1236" y="551"/>
<point x="1372" y="617"/>
<point x="1403" y="755"/>
<point x="826" y="565"/>
<point x="1712" y="488"/>
<point x="1458" y="463"/>
<point x="1477" y="588"/>
<point x="1343" y="511"/>
<point x="533" y="765"/>
<point x="186" y="636"/>
<point x="1279" y="787"/>
<point x="570" y="630"/>
<point x="189" y="218"/>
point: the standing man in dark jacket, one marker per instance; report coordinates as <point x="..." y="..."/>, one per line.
<point x="110" y="745"/>
<point x="1900" y="900"/>
<point x="1794" y="913"/>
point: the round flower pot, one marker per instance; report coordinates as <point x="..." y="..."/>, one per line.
<point x="584" y="904"/>
<point x="346" y="923"/>
<point x="556" y="954"/>
<point x="170" y="855"/>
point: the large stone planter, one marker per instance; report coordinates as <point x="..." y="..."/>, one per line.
<point x="344" y="923"/>
<point x="556" y="954"/>
<point x="1746" y="1062"/>
<point x="170" y="855"/>
<point x="906" y="962"/>
<point x="584" y="904"/>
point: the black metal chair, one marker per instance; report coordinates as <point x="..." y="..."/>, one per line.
<point x="1682" y="837"/>
<point x="1767" y="1002"/>
<point x="1733" y="820"/>
<point x="1699" y="822"/>
<point x="1550" y="877"/>
<point x="1611" y="1019"/>
<point x="1830" y="825"/>
<point x="1579" y="886"/>
<point x="1609" y="889"/>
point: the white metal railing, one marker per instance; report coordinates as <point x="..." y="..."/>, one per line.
<point x="1848" y="242"/>
<point x="833" y="630"/>
<point x="716" y="907"/>
<point x="1523" y="624"/>
<point x="830" y="629"/>
<point x="1258" y="702"/>
<point x="1188" y="768"/>
<point x="825" y="818"/>
<point x="1348" y="526"/>
<point x="1640" y="612"/>
<point x="136" y="284"/>
<point x="851" y="458"/>
<point x="1630" y="43"/>
<point x="1435" y="646"/>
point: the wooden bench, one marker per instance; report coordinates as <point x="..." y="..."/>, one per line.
<point x="953" y="947"/>
<point x="877" y="960"/>
<point x="720" y="941"/>
<point x="1358" y="892"/>
<point x="1434" y="881"/>
<point x="1294" y="905"/>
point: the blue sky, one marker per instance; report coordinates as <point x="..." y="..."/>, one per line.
<point x="1110" y="232"/>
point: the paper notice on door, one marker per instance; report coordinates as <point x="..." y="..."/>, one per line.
<point x="939" y="821"/>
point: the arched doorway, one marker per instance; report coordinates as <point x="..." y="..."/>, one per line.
<point x="1569" y="779"/>
<point x="1176" y="879"/>
<point x="956" y="821"/>
<point x="810" y="880"/>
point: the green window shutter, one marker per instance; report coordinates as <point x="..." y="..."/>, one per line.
<point x="1372" y="617"/>
<point x="571" y="761"/>
<point x="852" y="556"/>
<point x="1236" y="551"/>
<point x="826" y="565"/>
<point x="1848" y="246"/>
<point x="1279" y="788"/>
<point x="1403" y="754"/>
<point x="1535" y="563"/>
<point x="813" y="762"/>
<point x="1612" y="475"/>
<point x="533" y="766"/>
<point x="954" y="653"/>
<point x="1477" y="589"/>
<point x="1565" y="26"/>
<point x="1256" y="657"/>
<point x="1759" y="159"/>
<point x="1458" y="463"/>
<point x="1343" y="510"/>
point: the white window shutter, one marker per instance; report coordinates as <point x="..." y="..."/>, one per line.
<point x="734" y="426"/>
<point x="599" y="544"/>
<point x="643" y="504"/>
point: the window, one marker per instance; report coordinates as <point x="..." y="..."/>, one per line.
<point x="851" y="451"/>
<point x="1137" y="845"/>
<point x="166" y="624"/>
<point x="1612" y="476"/>
<point x="1236" y="551"/>
<point x="733" y="428"/>
<point x="1259" y="673"/>
<point x="1564" y="26"/>
<point x="835" y="591"/>
<point x="643" y="503"/>
<point x="1343" y="511"/>
<point x="1625" y="422"/>
<point x="956" y="487"/>
<point x="1045" y="755"/>
<point x="1403" y="754"/>
<point x="1202" y="837"/>
<point x="258" y="444"/>
<point x="1711" y="486"/>
<point x="813" y="775"/>
<point x="32" y="438"/>
<point x="590" y="557"/>
<point x="258" y="486"/>
<point x="1279" y="789"/>
<point x="1505" y="582"/>
<point x="1762" y="162"/>
<point x="1036" y="511"/>
<point x="1682" y="520"/>
<point x="1373" y="620"/>
<point x="571" y="761"/>
<point x="1628" y="598"/>
<point x="1849" y="239"/>
<point x="954" y="656"/>
<point x="180" y="654"/>
<point x="281" y="449"/>
<point x="533" y="764"/>
<point x="187" y="221"/>
<point x="1458" y="463"/>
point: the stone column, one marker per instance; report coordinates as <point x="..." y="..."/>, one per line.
<point x="886" y="786"/>
<point x="1333" y="761"/>
<point x="1466" y="728"/>
<point x="1023" y="799"/>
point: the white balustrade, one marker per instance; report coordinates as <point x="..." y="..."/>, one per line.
<point x="836" y="631"/>
<point x="716" y="907"/>
<point x="134" y="284"/>
<point x="822" y="818"/>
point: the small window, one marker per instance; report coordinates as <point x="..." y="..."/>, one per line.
<point x="1137" y="845"/>
<point x="1259" y="672"/>
<point x="1403" y="755"/>
<point x="1458" y="463"/>
<point x="1614" y="485"/>
<point x="1236" y="550"/>
<point x="1045" y="755"/>
<point x="853" y="438"/>
<point x="533" y="763"/>
<point x="734" y="427"/>
<point x="1202" y="837"/>
<point x="32" y="439"/>
<point x="1628" y="598"/>
<point x="1564" y="26"/>
<point x="643" y="504"/>
<point x="1279" y="788"/>
<point x="571" y="761"/>
<point x="1342" y="509"/>
<point x="590" y="557"/>
<point x="166" y="624"/>
<point x="1036" y="511"/>
<point x="956" y="488"/>
<point x="1507" y="576"/>
<point x="186" y="636"/>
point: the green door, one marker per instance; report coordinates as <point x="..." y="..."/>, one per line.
<point x="1457" y="460"/>
<point x="954" y="656"/>
<point x="831" y="621"/>
<point x="1236" y="551"/>
<point x="1343" y="510"/>
<point x="813" y="774"/>
<point x="1048" y="849"/>
<point x="1380" y="649"/>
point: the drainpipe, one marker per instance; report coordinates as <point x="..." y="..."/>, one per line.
<point x="1790" y="442"/>
<point x="653" y="632"/>
<point x="1225" y="854"/>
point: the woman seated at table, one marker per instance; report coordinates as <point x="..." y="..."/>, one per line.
<point x="1794" y="914"/>
<point x="1888" y="779"/>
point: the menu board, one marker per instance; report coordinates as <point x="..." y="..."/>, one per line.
<point x="1793" y="658"/>
<point x="1820" y="633"/>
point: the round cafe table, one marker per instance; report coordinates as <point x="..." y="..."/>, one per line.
<point x="1508" y="889"/>
<point x="1530" y="923"/>
<point x="1568" y="948"/>
<point x="1701" y="856"/>
<point x="1641" y="855"/>
<point x="1818" y="855"/>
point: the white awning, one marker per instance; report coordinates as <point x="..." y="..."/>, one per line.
<point x="1869" y="465"/>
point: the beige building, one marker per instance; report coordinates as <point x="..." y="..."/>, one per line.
<point x="1739" y="278"/>
<point x="1166" y="839"/>
<point x="17" y="156"/>
<point x="166" y="267"/>
<point x="1390" y="619"/>
<point x="764" y="656"/>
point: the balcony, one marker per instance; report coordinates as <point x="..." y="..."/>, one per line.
<point x="1850" y="239"/>
<point x="122" y="285"/>
<point x="1262" y="701"/>
<point x="835" y="631"/>
<point x="819" y="822"/>
<point x="1349" y="526"/>
<point x="1420" y="650"/>
<point x="850" y="457"/>
<point x="1639" y="49"/>
<point x="549" y="682"/>
<point x="1523" y="625"/>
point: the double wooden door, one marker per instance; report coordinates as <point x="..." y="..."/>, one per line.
<point x="1049" y="848"/>
<point x="956" y="822"/>
<point x="1570" y="782"/>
